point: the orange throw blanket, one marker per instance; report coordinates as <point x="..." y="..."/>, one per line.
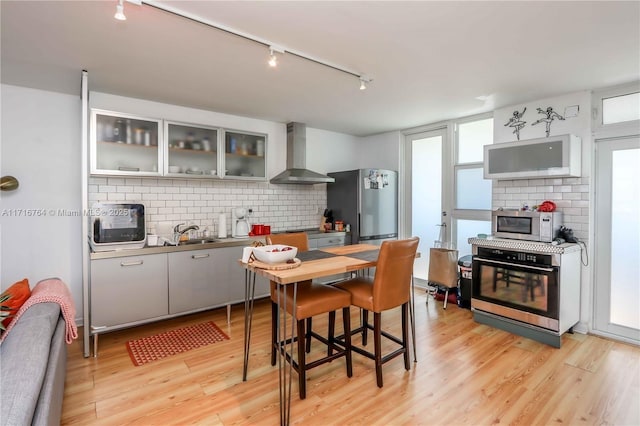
<point x="56" y="291"/>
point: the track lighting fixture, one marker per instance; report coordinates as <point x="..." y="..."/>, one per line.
<point x="273" y="60"/>
<point x="364" y="80"/>
<point x="120" y="16"/>
<point x="273" y="49"/>
<point x="120" y="11"/>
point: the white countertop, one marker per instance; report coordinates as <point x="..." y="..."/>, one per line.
<point x="531" y="246"/>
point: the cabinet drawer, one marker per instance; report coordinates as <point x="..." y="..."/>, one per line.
<point x="128" y="289"/>
<point x="330" y="241"/>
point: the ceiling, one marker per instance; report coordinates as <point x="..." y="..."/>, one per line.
<point x="429" y="61"/>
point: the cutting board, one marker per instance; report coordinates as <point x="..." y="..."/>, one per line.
<point x="276" y="266"/>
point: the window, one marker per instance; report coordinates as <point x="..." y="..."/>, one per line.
<point x="619" y="109"/>
<point x="472" y="209"/>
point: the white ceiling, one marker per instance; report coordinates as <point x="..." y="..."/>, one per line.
<point x="429" y="60"/>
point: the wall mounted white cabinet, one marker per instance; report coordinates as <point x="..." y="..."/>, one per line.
<point x="245" y="155"/>
<point x="190" y="150"/>
<point x="556" y="156"/>
<point x="125" y="144"/>
<point x="128" y="145"/>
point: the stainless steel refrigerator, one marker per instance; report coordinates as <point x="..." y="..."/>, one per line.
<point x="367" y="200"/>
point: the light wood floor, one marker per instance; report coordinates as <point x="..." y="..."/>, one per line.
<point x="466" y="373"/>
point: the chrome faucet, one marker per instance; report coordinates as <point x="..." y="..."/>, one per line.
<point x="177" y="232"/>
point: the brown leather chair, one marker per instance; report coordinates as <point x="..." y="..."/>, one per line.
<point x="389" y="288"/>
<point x="311" y="300"/>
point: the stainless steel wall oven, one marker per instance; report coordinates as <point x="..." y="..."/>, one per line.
<point x="517" y="285"/>
<point x="527" y="288"/>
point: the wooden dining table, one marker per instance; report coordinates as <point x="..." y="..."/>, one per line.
<point x="314" y="264"/>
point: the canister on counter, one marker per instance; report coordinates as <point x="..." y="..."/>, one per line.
<point x="339" y="225"/>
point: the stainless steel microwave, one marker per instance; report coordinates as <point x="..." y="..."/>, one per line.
<point x="117" y="226"/>
<point x="523" y="225"/>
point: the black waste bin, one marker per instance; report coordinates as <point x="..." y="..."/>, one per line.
<point x="464" y="289"/>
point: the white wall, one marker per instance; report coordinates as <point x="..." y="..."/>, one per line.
<point x="331" y="152"/>
<point x="40" y="146"/>
<point x="379" y="151"/>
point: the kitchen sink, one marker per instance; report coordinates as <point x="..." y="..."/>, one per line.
<point x="198" y="241"/>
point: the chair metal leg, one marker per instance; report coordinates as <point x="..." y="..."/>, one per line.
<point x="302" y="366"/>
<point x="346" y="324"/>
<point x="377" y="343"/>
<point x="331" y="332"/>
<point x="274" y="331"/>
<point x="365" y="326"/>
<point x="405" y="336"/>
<point x="309" y="329"/>
<point x="446" y="299"/>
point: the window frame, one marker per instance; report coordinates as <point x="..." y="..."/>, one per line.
<point x="614" y="129"/>
<point x="466" y="214"/>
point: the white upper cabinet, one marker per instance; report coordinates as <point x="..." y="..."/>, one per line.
<point x="556" y="156"/>
<point x="129" y="145"/>
<point x="191" y="150"/>
<point x="125" y="144"/>
<point x="245" y="155"/>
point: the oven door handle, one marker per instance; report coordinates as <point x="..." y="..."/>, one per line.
<point x="514" y="264"/>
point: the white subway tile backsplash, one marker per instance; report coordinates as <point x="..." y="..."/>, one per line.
<point x="571" y="196"/>
<point x="200" y="201"/>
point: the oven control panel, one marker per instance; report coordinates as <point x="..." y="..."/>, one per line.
<point x="516" y="256"/>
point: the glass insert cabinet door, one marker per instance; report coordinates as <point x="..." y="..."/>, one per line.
<point x="191" y="150"/>
<point x="125" y="144"/>
<point x="244" y="154"/>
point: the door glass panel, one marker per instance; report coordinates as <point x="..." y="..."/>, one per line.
<point x="245" y="154"/>
<point x="518" y="288"/>
<point x="625" y="247"/>
<point x="472" y="190"/>
<point x="467" y="229"/>
<point x="426" y="196"/>
<point x="472" y="137"/>
<point x="621" y="108"/>
<point x="192" y="150"/>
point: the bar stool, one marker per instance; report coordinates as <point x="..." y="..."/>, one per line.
<point x="311" y="300"/>
<point x="389" y="288"/>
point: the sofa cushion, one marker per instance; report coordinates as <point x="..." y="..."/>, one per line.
<point x="25" y="358"/>
<point x="19" y="293"/>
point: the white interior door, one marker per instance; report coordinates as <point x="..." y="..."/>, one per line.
<point x="617" y="245"/>
<point x="426" y="206"/>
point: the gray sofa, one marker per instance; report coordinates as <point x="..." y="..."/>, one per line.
<point x="33" y="368"/>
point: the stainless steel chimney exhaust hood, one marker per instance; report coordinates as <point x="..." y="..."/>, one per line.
<point x="296" y="172"/>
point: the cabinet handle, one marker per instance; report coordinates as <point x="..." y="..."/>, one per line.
<point x="199" y="256"/>
<point x="133" y="263"/>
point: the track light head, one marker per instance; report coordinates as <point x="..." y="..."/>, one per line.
<point x="273" y="60"/>
<point x="364" y="80"/>
<point x="120" y="16"/>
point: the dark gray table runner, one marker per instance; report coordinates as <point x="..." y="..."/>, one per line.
<point x="368" y="256"/>
<point x="314" y="255"/>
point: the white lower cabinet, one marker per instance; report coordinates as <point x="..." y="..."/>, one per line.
<point x="128" y="290"/>
<point x="136" y="289"/>
<point x="234" y="275"/>
<point x="195" y="280"/>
